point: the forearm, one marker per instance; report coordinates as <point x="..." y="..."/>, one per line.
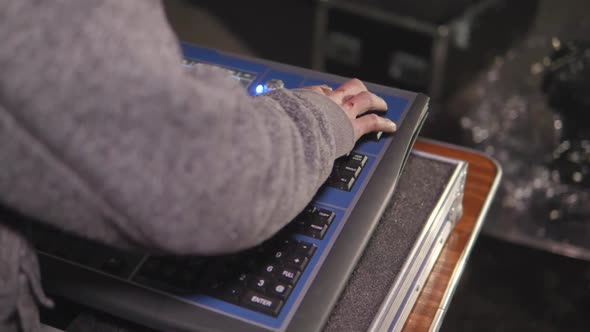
<point x="155" y="157"/>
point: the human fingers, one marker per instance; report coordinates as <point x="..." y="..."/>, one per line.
<point x="363" y="102"/>
<point x="321" y="89"/>
<point x="372" y="123"/>
<point x="350" y="88"/>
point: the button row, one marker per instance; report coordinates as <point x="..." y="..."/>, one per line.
<point x="346" y="171"/>
<point x="313" y="222"/>
<point x="261" y="278"/>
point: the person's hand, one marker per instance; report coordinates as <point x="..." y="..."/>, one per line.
<point x="355" y="100"/>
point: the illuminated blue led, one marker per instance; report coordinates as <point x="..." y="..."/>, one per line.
<point x="259" y="89"/>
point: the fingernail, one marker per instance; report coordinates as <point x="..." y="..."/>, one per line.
<point x="391" y="125"/>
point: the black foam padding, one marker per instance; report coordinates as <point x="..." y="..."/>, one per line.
<point x="419" y="189"/>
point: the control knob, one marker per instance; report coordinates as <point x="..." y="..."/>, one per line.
<point x="274" y="84"/>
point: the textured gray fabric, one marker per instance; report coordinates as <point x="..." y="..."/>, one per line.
<point x="105" y="135"/>
<point x="417" y="193"/>
<point x="19" y="280"/>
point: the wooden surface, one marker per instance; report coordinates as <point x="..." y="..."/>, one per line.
<point x="480" y="178"/>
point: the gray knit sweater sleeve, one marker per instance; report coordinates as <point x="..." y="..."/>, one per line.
<point x="106" y="136"/>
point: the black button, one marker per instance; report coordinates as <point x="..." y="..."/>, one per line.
<point x="279" y="254"/>
<point x="259" y="284"/>
<point x="326" y="216"/>
<point x="266" y="304"/>
<point x="283" y="244"/>
<point x="298" y="261"/>
<point x="341" y="182"/>
<point x="357" y="159"/>
<point x="281" y="290"/>
<point x="289" y="275"/>
<point x="305" y="249"/>
<point x="269" y="270"/>
<point x="316" y="230"/>
<point x="299" y="224"/>
<point x="349" y="171"/>
<point x="232" y="293"/>
<point x="242" y="278"/>
<point x="311" y="209"/>
<point x="287" y="243"/>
